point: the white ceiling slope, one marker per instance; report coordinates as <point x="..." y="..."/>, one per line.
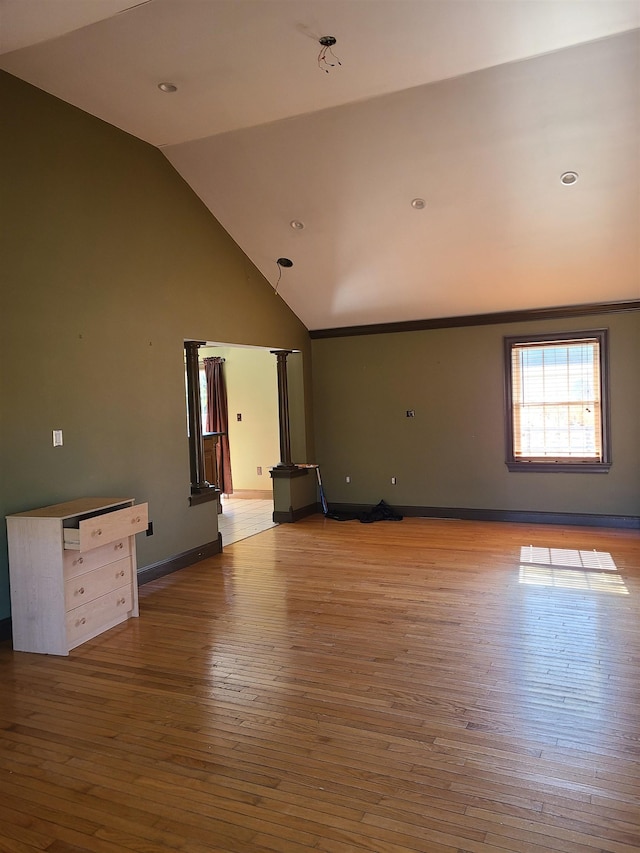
<point x="477" y="106"/>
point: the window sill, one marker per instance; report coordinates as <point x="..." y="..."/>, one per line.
<point x="204" y="497"/>
<point x="560" y="467"/>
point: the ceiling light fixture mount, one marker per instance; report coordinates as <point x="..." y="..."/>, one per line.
<point x="568" y="178"/>
<point x="326" y="54"/>
<point x="418" y="204"/>
<point x="283" y="263"/>
<point x="167" y="87"/>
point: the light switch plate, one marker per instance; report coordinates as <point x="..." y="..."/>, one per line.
<point x="57" y="438"/>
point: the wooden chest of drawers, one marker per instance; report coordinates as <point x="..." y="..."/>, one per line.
<point x="72" y="571"/>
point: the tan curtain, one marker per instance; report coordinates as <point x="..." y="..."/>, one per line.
<point x="218" y="420"/>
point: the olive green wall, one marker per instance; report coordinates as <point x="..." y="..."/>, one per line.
<point x="451" y="454"/>
<point x="109" y="261"/>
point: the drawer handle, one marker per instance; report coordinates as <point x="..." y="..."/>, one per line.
<point x="79" y="561"/>
<point x="82" y="621"/>
<point x="118" y="547"/>
<point x="120" y="574"/>
<point x="97" y="532"/>
<point x="135" y="520"/>
<point x="121" y="600"/>
<point x="80" y="591"/>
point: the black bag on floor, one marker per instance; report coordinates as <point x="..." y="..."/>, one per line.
<point x="380" y="512"/>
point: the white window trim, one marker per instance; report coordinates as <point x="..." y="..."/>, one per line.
<point x="560" y="464"/>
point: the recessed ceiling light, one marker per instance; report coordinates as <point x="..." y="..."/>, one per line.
<point x="167" y="87"/>
<point x="296" y="225"/>
<point x="418" y="204"/>
<point x="569" y="178"/>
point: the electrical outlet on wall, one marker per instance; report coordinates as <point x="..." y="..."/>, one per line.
<point x="259" y="470"/>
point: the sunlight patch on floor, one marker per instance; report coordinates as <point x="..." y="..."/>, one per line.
<point x="570" y="568"/>
<point x="559" y="576"/>
<point x="571" y="557"/>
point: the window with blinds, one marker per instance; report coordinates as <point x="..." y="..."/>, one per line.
<point x="556" y="402"/>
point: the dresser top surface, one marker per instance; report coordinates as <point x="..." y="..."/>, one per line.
<point x="80" y="506"/>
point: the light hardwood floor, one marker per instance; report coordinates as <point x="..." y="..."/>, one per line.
<point x="445" y="687"/>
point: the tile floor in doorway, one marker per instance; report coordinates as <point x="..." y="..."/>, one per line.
<point x="241" y="518"/>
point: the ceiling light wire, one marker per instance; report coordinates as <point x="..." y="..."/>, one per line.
<point x="282" y="262"/>
<point x="324" y="63"/>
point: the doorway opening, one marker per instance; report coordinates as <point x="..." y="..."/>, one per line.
<point x="253" y="433"/>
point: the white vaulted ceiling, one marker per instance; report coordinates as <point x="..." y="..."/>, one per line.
<point x="476" y="106"/>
